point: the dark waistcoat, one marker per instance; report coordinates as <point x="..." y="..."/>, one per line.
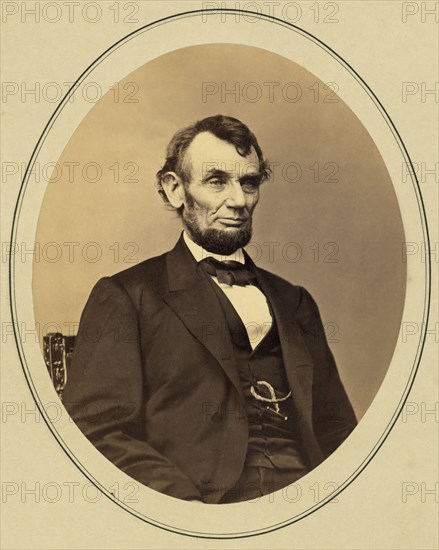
<point x="273" y="435"/>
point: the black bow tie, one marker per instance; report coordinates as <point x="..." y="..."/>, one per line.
<point x="228" y="272"/>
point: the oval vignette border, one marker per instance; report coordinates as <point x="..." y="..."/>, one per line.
<point x="427" y="297"/>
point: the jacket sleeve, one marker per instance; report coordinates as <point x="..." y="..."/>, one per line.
<point x="105" y="391"/>
<point x="333" y="416"/>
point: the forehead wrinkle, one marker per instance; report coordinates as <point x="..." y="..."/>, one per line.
<point x="206" y="148"/>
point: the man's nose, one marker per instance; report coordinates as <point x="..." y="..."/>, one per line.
<point x="235" y="195"/>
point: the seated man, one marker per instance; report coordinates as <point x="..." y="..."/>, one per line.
<point x="196" y="372"/>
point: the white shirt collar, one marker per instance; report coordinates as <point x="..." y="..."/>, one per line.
<point x="199" y="253"/>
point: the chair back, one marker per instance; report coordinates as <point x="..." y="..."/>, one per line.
<point x="58" y="351"/>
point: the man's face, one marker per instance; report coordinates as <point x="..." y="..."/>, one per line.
<point x="221" y="195"/>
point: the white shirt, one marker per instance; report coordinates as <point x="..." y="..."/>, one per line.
<point x="249" y="302"/>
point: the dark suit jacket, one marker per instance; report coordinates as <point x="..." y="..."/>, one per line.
<point x="154" y="387"/>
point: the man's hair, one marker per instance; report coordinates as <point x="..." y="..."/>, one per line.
<point x="223" y="127"/>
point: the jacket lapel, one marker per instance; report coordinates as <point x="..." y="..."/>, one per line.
<point x="193" y="300"/>
<point x="284" y="300"/>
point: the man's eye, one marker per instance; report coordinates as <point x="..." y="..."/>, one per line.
<point x="250" y="184"/>
<point x="216" y="182"/>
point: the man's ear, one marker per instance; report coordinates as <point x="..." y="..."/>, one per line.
<point x="174" y="189"/>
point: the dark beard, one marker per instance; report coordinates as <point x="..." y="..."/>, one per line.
<point x="216" y="241"/>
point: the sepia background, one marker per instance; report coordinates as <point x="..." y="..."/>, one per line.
<point x="327" y="220"/>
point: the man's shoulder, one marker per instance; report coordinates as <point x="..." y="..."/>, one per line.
<point x="147" y="276"/>
<point x="300" y="298"/>
<point x="280" y="283"/>
<point x="142" y="272"/>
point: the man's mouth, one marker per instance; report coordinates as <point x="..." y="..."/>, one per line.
<point x="232" y="222"/>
